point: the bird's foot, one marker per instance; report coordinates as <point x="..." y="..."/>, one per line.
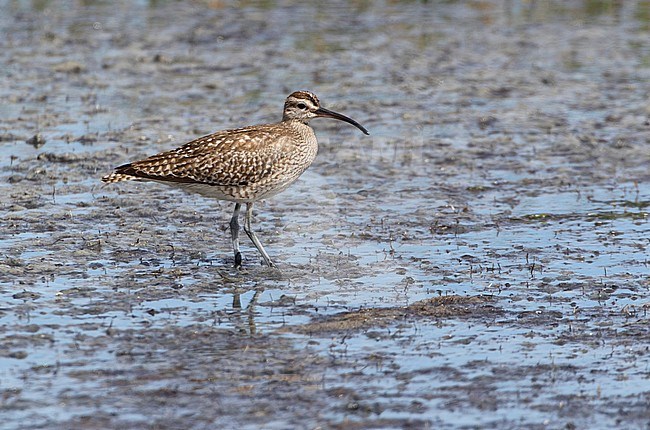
<point x="238" y="260"/>
<point x="268" y="263"/>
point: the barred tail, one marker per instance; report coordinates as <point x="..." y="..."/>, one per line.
<point x="117" y="177"/>
<point x="120" y="174"/>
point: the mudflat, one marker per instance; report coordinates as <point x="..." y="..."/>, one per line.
<point x="479" y="261"/>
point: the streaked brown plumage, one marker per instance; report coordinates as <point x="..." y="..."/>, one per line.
<point x="243" y="165"/>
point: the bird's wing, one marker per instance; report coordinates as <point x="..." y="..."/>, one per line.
<point x="233" y="157"/>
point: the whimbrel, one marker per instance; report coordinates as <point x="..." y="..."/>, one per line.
<point x="243" y="165"/>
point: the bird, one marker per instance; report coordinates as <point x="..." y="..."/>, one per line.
<point x="242" y="165"/>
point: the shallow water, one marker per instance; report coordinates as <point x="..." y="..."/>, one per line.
<point x="479" y="261"/>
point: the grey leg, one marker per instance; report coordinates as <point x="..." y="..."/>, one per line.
<point x="234" y="233"/>
<point x="251" y="235"/>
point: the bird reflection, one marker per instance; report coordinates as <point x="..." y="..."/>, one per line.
<point x="248" y="326"/>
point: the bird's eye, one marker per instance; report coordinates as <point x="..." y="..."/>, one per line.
<point x="302" y="106"/>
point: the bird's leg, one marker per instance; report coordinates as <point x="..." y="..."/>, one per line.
<point x="234" y="233"/>
<point x="251" y="234"/>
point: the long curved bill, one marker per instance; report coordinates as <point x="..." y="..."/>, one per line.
<point x="326" y="113"/>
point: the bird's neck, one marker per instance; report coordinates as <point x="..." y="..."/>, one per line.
<point x="301" y="128"/>
<point x="296" y="122"/>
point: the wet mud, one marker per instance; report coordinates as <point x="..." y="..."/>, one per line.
<point x="479" y="261"/>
